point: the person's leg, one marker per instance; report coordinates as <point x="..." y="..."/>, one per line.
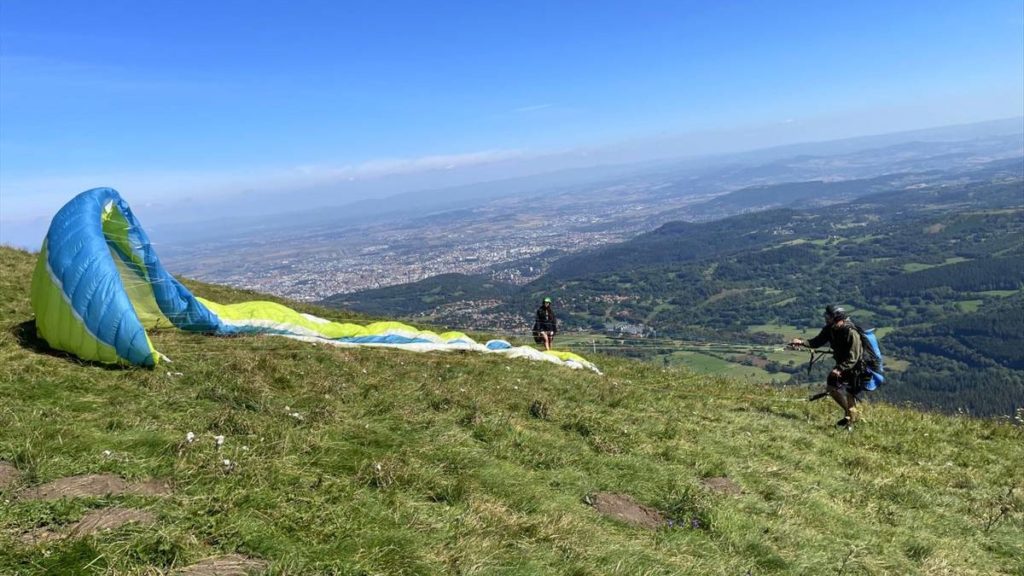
<point x="837" y="389"/>
<point x="547" y="339"/>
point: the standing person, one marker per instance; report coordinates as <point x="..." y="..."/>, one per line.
<point x="546" y="325"/>
<point x="845" y="380"/>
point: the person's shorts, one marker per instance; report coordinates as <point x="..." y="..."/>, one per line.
<point x="850" y="380"/>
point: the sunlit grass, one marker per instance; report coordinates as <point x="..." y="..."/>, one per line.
<point x="376" y="461"/>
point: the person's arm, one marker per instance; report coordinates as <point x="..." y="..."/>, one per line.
<point x="554" y="323"/>
<point x="816" y="342"/>
<point x="821" y="339"/>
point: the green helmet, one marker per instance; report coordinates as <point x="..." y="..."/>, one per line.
<point x="548" y="300"/>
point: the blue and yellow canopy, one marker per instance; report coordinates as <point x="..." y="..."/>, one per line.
<point x="98" y="285"/>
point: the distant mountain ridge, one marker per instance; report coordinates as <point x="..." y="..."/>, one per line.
<point x="776" y="164"/>
<point x="939" y="252"/>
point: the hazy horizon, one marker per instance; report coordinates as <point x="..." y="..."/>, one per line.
<point x="332" y="104"/>
<point x="242" y="206"/>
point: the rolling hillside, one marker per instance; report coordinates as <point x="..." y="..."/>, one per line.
<point x="909" y="260"/>
<point x="263" y="454"/>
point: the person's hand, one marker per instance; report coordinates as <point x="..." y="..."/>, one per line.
<point x="837" y="372"/>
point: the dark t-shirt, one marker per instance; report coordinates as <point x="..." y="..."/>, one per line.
<point x="844" y="341"/>
<point x="546" y="321"/>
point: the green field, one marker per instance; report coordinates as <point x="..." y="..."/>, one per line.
<point x="788" y="331"/>
<point x="969" y="305"/>
<point x="998" y="293"/>
<point x="918" y="266"/>
<point x="713" y="365"/>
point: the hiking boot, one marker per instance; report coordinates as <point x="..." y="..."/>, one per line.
<point x="844" y="422"/>
<point x="854" y="415"/>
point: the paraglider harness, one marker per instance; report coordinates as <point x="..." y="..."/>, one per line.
<point x="816" y="355"/>
<point x="544" y="322"/>
<point x="867" y="372"/>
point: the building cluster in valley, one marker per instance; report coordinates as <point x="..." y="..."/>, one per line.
<point x="316" y="274"/>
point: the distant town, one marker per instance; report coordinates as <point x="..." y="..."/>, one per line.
<point x="507" y="239"/>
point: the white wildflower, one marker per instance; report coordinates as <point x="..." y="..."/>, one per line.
<point x="297" y="416"/>
<point x="190" y="437"/>
<point x="107" y="453"/>
<point x="219" y="440"/>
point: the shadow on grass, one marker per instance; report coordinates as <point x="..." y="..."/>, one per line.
<point x="27" y="337"/>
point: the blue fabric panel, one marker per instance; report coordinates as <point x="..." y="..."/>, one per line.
<point x="385" y="339"/>
<point x="80" y="257"/>
<point x="873" y="340"/>
<point x="498" y="345"/>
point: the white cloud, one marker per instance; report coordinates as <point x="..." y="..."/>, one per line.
<point x="393" y="166"/>
<point x="30" y="198"/>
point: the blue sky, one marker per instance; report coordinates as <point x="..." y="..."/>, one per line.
<point x="184" y="98"/>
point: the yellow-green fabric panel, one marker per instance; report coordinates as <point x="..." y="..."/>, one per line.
<point x="140" y="292"/>
<point x="115" y="229"/>
<point x="567" y="356"/>
<point x="58" y="324"/>
<point x="263" y="312"/>
<point x="136" y="282"/>
<point x="392" y="326"/>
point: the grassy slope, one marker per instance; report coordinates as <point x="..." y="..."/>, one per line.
<point x="432" y="464"/>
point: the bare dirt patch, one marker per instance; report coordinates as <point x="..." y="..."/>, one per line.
<point x="93" y="522"/>
<point x="94" y="485"/>
<point x="8" y="474"/>
<point x="151" y="488"/>
<point x="77" y="486"/>
<point x="230" y="565"/>
<point x="722" y="485"/>
<point x="40" y="536"/>
<point x="625" y="509"/>
<point x="110" y="519"/>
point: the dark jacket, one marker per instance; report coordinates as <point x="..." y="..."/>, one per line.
<point x="845" y="343"/>
<point x="546" y="321"/>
